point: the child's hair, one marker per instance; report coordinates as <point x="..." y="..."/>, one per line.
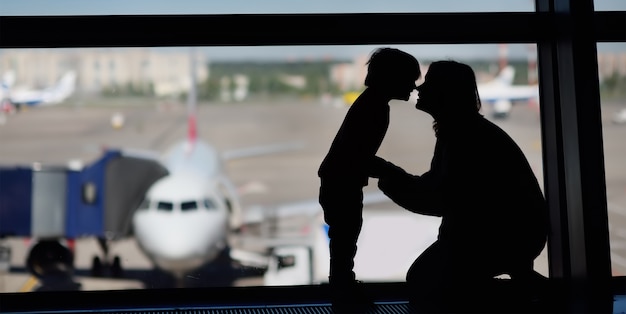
<point x="386" y="64"/>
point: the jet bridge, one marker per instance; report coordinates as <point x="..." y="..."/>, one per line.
<point x="50" y="203"/>
<point x="64" y="202"/>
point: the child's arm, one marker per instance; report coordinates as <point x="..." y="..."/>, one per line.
<point x="381" y="168"/>
<point x="412" y="192"/>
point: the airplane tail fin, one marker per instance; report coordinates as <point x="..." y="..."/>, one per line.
<point x="192" y="130"/>
<point x="192" y="99"/>
<point x="506" y="75"/>
<point x="67" y="82"/>
<point x="63" y="89"/>
<point x="8" y="79"/>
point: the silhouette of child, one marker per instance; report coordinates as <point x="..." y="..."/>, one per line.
<point x="494" y="215"/>
<point x="343" y="173"/>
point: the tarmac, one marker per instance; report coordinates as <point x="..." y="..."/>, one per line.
<point x="79" y="133"/>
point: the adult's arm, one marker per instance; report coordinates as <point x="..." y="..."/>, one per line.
<point x="412" y="192"/>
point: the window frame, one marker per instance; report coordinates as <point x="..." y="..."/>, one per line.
<point x="567" y="59"/>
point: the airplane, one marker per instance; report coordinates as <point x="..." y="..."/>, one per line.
<point x="500" y="93"/>
<point x="5" y="87"/>
<point x="186" y="216"/>
<point x="185" y="208"/>
<point x="25" y="97"/>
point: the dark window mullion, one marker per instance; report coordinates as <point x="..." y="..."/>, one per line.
<point x="573" y="155"/>
<point x="284" y="29"/>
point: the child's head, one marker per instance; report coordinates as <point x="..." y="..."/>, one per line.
<point x="392" y="71"/>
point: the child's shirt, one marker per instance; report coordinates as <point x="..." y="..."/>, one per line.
<point x="357" y="140"/>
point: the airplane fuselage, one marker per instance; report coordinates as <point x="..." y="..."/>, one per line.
<point x="185" y="218"/>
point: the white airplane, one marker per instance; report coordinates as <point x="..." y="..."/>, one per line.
<point x="188" y="208"/>
<point x="65" y="86"/>
<point x="5" y="87"/>
<point x="186" y="217"/>
<point x="500" y="93"/>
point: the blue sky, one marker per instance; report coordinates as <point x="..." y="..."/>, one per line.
<point x="113" y="7"/>
<point x="62" y="7"/>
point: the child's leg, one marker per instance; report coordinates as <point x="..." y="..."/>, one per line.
<point x="343" y="206"/>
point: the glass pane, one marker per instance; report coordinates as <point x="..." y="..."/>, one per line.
<point x="278" y="106"/>
<point x="612" y="73"/>
<point x="119" y="7"/>
<point x="609" y="5"/>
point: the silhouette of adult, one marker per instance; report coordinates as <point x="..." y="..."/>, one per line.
<point x="343" y="173"/>
<point x="494" y="215"/>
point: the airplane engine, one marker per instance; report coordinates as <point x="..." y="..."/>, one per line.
<point x="502" y="108"/>
<point x="50" y="257"/>
<point x="53" y="265"/>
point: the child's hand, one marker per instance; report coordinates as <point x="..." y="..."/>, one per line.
<point x="377" y="167"/>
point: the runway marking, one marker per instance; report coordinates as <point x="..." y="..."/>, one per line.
<point x="29" y="284"/>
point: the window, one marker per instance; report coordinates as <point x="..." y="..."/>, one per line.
<point x="190" y="205"/>
<point x="276" y="96"/>
<point x="511" y="28"/>
<point x="609" y="5"/>
<point x="165" y="206"/>
<point x="612" y="74"/>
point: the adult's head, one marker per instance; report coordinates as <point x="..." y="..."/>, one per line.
<point x="449" y="91"/>
<point x="393" y="72"/>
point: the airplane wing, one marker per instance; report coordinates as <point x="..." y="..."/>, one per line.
<point x="261" y="150"/>
<point x="286" y="224"/>
<point x="305" y="209"/>
<point x="249" y="258"/>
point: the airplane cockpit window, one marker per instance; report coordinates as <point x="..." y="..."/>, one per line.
<point x="165" y="206"/>
<point x="209" y="204"/>
<point x="190" y="205"/>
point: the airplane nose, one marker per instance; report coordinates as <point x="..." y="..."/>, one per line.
<point x="176" y="237"/>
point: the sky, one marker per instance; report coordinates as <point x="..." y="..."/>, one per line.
<point x="115" y="7"/>
<point x="133" y="7"/>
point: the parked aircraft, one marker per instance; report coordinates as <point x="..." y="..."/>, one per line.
<point x="187" y="216"/>
<point x="8" y="78"/>
<point x="28" y="97"/>
<point x="500" y="93"/>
